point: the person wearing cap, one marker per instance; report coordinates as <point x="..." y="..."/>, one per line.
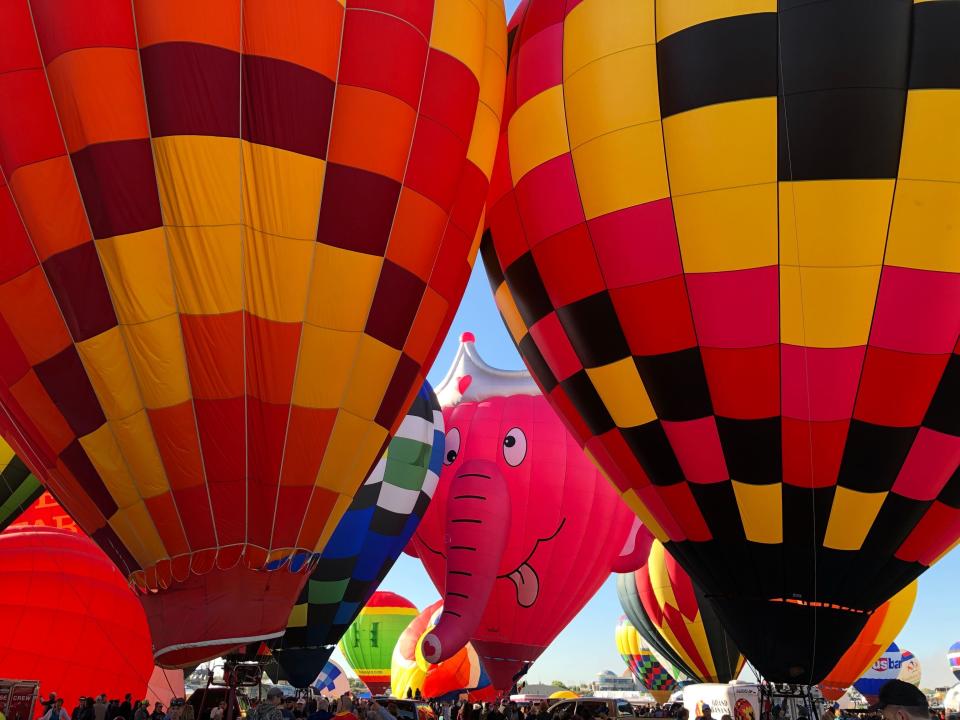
<point x="143" y="711"/>
<point x="705" y="713"/>
<point x="899" y="700"/>
<point x="269" y="710"/>
<point x="56" y="711"/>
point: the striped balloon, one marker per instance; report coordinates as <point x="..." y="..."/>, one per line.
<point x="19" y="488"/>
<point x="371" y="535"/>
<point x="370" y="639"/>
<point x="684" y="619"/>
<point x="953" y="659"/>
<point x="644" y="665"/>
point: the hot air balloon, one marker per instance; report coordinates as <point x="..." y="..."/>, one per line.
<point x="233" y="235"/>
<point x="371" y="535"/>
<point x="369" y="641"/>
<point x="724" y="238"/>
<point x="643" y="665"/>
<point x="332" y="681"/>
<point x="523" y="529"/>
<point x="19" y="488"/>
<point x="69" y="618"/>
<point x="885" y="668"/>
<point x="910" y="670"/>
<point x="686" y="620"/>
<point x="410" y="672"/>
<point x="881" y="629"/>
<point x="630" y="601"/>
<point x="953" y="659"/>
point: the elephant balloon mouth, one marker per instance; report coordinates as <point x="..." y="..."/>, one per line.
<point x="525" y="578"/>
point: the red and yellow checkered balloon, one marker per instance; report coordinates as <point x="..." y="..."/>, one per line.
<point x="232" y="237"/>
<point x="725" y="238"/>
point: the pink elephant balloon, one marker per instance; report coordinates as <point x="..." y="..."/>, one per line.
<point x="522" y="530"/>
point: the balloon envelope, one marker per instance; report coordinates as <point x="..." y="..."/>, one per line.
<point x="371" y="535"/>
<point x="410" y="672"/>
<point x="70" y="619"/>
<point x="953" y="659"/>
<point x="883" y="626"/>
<point x="369" y="641"/>
<point x="233" y="240"/>
<point x="642" y="664"/>
<point x="332" y="681"/>
<point x="885" y="668"/>
<point x="684" y="619"/>
<point x="523" y="529"/>
<point x="741" y="292"/>
<point x="910" y="670"/>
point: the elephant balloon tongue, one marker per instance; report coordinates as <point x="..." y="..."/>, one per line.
<point x="527" y="583"/>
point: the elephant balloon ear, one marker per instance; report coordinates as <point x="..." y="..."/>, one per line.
<point x="636" y="549"/>
<point x="471" y="379"/>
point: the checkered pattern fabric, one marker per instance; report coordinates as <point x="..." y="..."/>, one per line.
<point x="232" y="237"/>
<point x="724" y="237"/>
<point x="19" y="488"/>
<point x="642" y="663"/>
<point x="370" y="537"/>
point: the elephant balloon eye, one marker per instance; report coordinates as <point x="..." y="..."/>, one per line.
<point x="452" y="448"/>
<point x="514" y="447"/>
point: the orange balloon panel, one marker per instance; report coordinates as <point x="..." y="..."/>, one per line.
<point x="233" y="236"/>
<point x="880" y="631"/>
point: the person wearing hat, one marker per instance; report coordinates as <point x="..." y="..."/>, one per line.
<point x="705" y="713"/>
<point x="269" y="710"/>
<point x="899" y="700"/>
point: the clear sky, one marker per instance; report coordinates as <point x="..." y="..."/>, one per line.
<point x="586" y="646"/>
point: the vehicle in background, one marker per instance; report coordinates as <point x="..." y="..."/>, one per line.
<point x="407" y="709"/>
<point x="614" y="708"/>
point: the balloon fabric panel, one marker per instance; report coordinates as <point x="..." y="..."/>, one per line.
<point x="233" y="237"/>
<point x="368" y="540"/>
<point x="739" y="284"/>
<point x="877" y="635"/>
<point x="19" y="488"/>
<point x="70" y="620"/>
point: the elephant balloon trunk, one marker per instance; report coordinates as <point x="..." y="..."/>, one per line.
<point x="478" y="517"/>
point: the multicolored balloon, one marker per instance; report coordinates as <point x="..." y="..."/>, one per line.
<point x="910" y="670"/>
<point x="371" y="535"/>
<point x="232" y="239"/>
<point x="885" y="668"/>
<point x="723" y="238"/>
<point x="631" y="604"/>
<point x="643" y="664"/>
<point x="369" y="641"/>
<point x="523" y="529"/>
<point x="682" y="618"/>
<point x="883" y="626"/>
<point x="332" y="681"/>
<point x="953" y="659"/>
<point x="69" y="618"/>
<point x="19" y="488"/>
<point x="410" y="672"/>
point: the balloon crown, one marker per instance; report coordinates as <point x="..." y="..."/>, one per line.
<point x="470" y="379"/>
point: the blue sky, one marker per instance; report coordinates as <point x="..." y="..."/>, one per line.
<point x="586" y="646"/>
